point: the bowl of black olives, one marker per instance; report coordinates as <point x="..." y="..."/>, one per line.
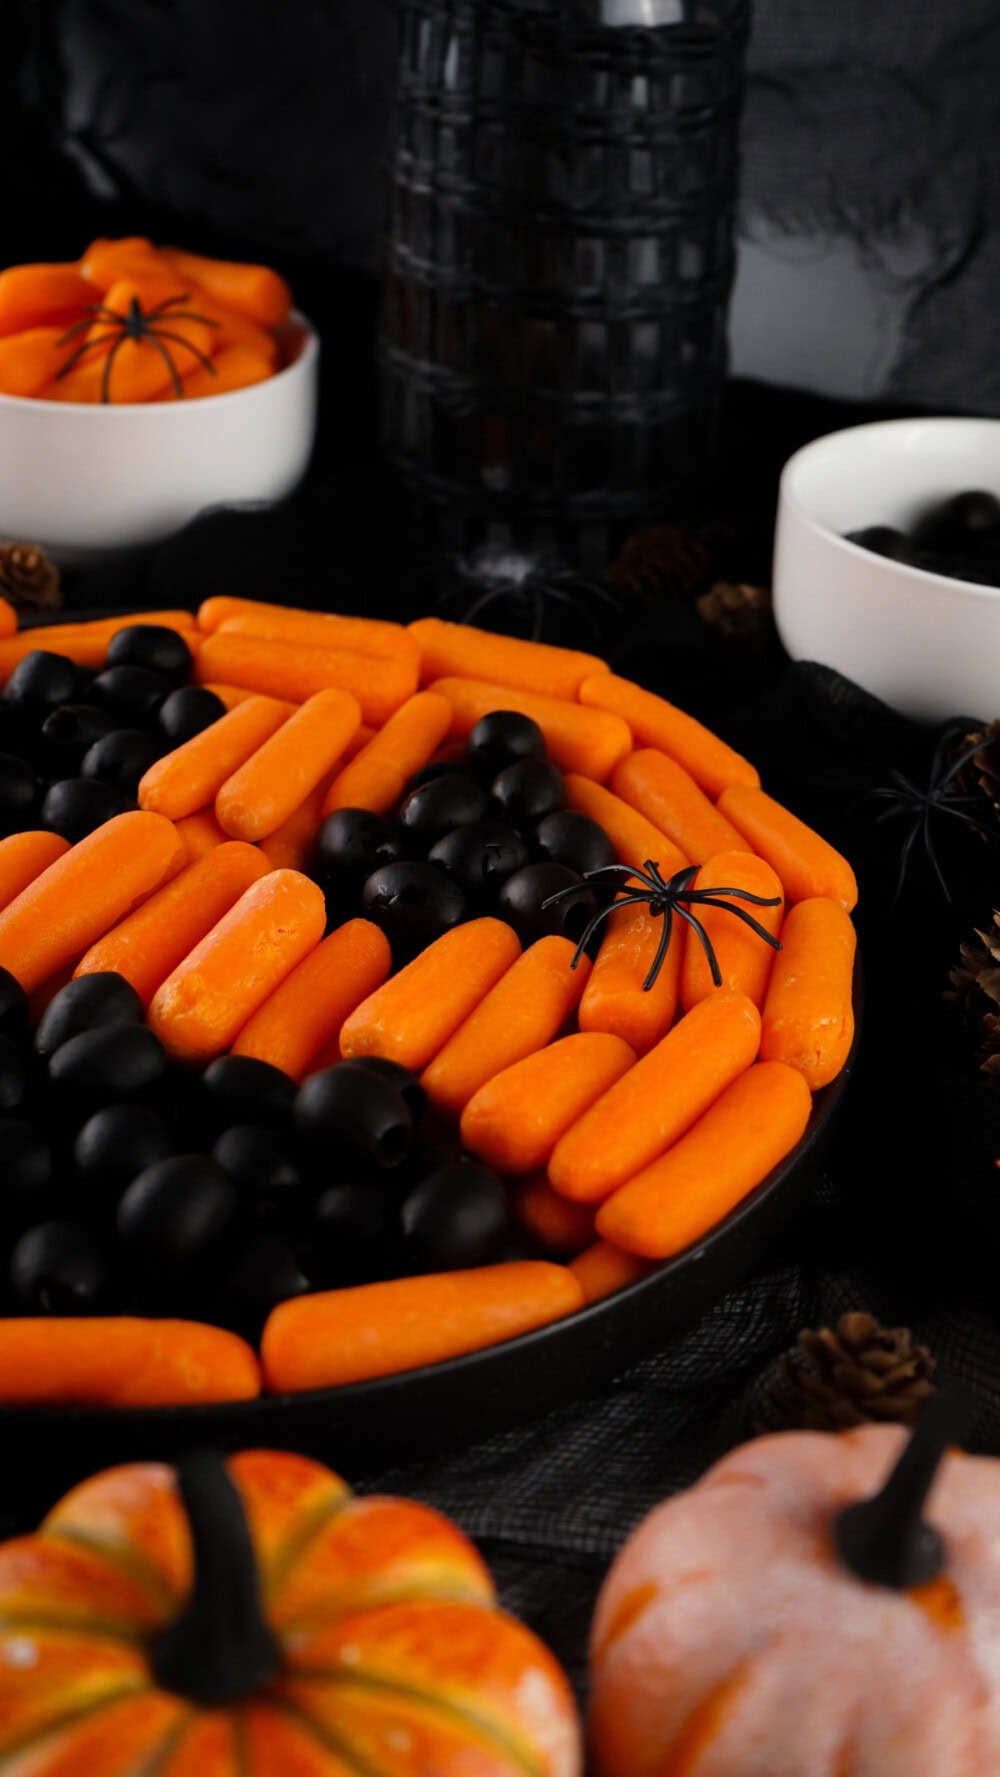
<point x="887" y="562"/>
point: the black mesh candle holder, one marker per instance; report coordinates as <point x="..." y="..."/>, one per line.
<point x="559" y="263"/>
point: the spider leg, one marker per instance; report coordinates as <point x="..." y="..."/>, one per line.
<point x="87" y="346"/>
<point x="904" y="858"/>
<point x="928" y="842"/>
<point x="183" y="315"/>
<point x="483" y="602"/>
<point x="106" y="375"/>
<point x="706" y="943"/>
<point x="712" y="894"/>
<point x="661" y="951"/>
<point x="748" y="920"/>
<point x="96" y="312"/>
<point x="156" y="334"/>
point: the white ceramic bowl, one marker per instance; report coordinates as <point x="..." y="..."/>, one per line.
<point x="84" y="481"/>
<point x="926" y="644"/>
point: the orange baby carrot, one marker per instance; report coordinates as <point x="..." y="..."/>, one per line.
<point x="807" y="864"/>
<point x="232" y="328"/>
<point x="559" y="1226"/>
<point x="808" y="1018"/>
<point x="122" y="1361"/>
<point x="200" y="833"/>
<point x="106" y="261"/>
<point x="23" y="856"/>
<point x="665" y="793"/>
<point x="306" y="1011"/>
<point x="261" y="794"/>
<point x="148" y="945"/>
<point x="296" y="670"/>
<point x="615" y="998"/>
<point x="411" y="1018"/>
<point x="518" y="1016"/>
<point x="634" y="838"/>
<point x="202" y="1006"/>
<point x="375" y="778"/>
<point x="744" y="959"/>
<point x="323" y="629"/>
<point x="381" y="1329"/>
<point x="41" y="296"/>
<point x="192" y="775"/>
<point x="515" y="1120"/>
<point x="656" y="723"/>
<point x="291" y="846"/>
<point x="85" y="892"/>
<point x="603" y="1270"/>
<point x="455" y="650"/>
<point x="87" y="647"/>
<point x="589" y="741"/>
<point x="253" y="290"/>
<point x="30" y="360"/>
<point x="8" y="619"/>
<point x="730" y="1150"/>
<point x="653" y="1104"/>
<point x="231" y="367"/>
<point x="231" y="695"/>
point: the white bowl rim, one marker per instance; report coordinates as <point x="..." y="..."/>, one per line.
<point x="310" y="349"/>
<point x="898" y="569"/>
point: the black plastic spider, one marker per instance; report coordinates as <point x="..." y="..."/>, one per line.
<point x="907" y="798"/>
<point x="664" y="896"/>
<point x="136" y="324"/>
<point x="527" y="588"/>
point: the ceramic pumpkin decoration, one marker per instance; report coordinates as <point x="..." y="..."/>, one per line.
<point x="254" y="1619"/>
<point x="794" y="1615"/>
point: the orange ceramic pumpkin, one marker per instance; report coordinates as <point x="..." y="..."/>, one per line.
<point x="143" y="1630"/>
<point x="734" y="1636"/>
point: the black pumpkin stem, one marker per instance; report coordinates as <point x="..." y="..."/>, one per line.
<point x="665" y="896"/>
<point x="220" y="1648"/>
<point x="136" y="324"/>
<point x="885" y="1539"/>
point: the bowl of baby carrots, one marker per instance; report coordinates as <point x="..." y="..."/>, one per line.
<point x="139" y="385"/>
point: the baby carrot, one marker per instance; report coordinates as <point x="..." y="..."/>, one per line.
<point x="807" y="864"/>
<point x="148" y="945"/>
<point x="744" y="959"/>
<point x="261" y="794"/>
<point x="411" y="1018"/>
<point x="729" y="1151"/>
<point x="23" y="856"/>
<point x="232" y="367"/>
<point x="42" y="295"/>
<point x="656" y="723"/>
<point x="8" y="618"/>
<point x="231" y="695"/>
<point x="122" y="1361"/>
<point x="559" y="1226"/>
<point x="86" y="892"/>
<point x="381" y="1329"/>
<point x="615" y="998"/>
<point x="634" y="838"/>
<point x="653" y="1104"/>
<point x="290" y="846"/>
<point x="515" y="1120"/>
<point x="234" y="329"/>
<point x="603" y="1270"/>
<point x="324" y="629"/>
<point x="105" y="261"/>
<point x="30" y="360"/>
<point x="307" y="1009"/>
<point x="455" y="650"/>
<point x="665" y="793"/>
<point x="86" y="643"/>
<point x="808" y="1017"/>
<point x="192" y="775"/>
<point x="376" y="776"/>
<point x="201" y="1007"/>
<point x="253" y="290"/>
<point x="518" y="1016"/>
<point x="589" y="741"/>
<point x="200" y="833"/>
<point x="295" y="670"/>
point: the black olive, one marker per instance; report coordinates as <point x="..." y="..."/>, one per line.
<point x="188" y="711"/>
<point x="575" y="840"/>
<point x="438" y="807"/>
<point x="438" y="768"/>
<point x="882" y="539"/>
<point x="262" y="1274"/>
<point x="68" y="732"/>
<point x="406" y="1083"/>
<point x="13" y="1008"/>
<point x="242" y="1089"/>
<point x="176" y="1212"/>
<point x="78" y="805"/>
<point x="60" y="1268"/>
<point x="131" y="691"/>
<point x="352" y="842"/>
<point x="263" y="1164"/>
<point x="503" y="737"/>
<point x="480" y="857"/>
<point x="456" y="1217"/>
<point x="86" y="1004"/>
<point x="15" y="1075"/>
<point x="354" y="1234"/>
<point x="413" y="904"/>
<point x="520" y="902"/>
<point x="42" y="680"/>
<point x="121" y="759"/>
<point x="114" y="1146"/>
<point x="357" y="1108"/>
<point x="526" y="792"/>
<point x="117" y="1061"/>
<point x="960" y="526"/>
<point x="192" y="1117"/>
<point x="27" y="1162"/>
<point x="20" y="787"/>
<point x="154" y="648"/>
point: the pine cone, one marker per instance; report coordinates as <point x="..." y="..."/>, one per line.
<point x="857" y="1373"/>
<point x="975" y="990"/>
<point x="664" y="562"/>
<point x="980" y="777"/>
<point x="737" y="610"/>
<point x="28" y="580"/>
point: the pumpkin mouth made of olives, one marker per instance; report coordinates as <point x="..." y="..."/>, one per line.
<point x="370" y="995"/>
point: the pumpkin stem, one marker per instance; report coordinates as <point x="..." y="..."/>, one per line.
<point x="220" y="1648"/>
<point x="886" y="1539"/>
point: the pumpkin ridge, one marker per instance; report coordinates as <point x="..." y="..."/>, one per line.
<point x="294" y="1549"/>
<point x="155" y="1760"/>
<point x="350" y="1601"/>
<point x="70" y="1720"/>
<point x="124" y="1561"/>
<point x="94" y="1628"/>
<point x="324" y="1737"/>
